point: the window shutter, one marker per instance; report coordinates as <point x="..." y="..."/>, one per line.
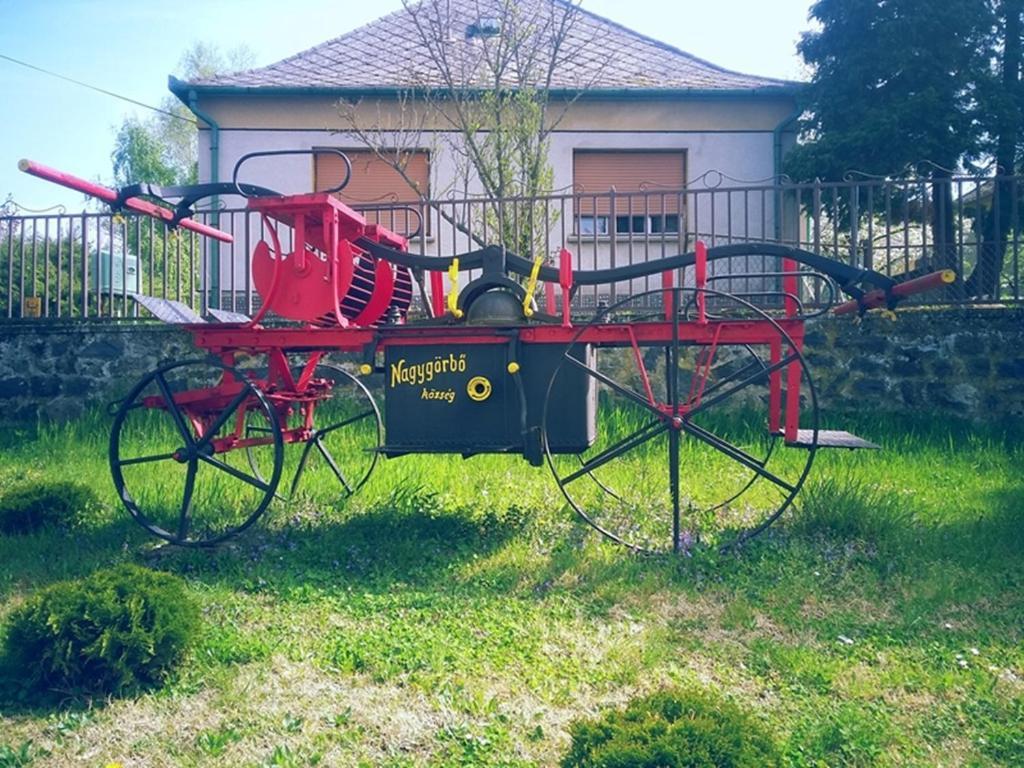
<point x="654" y="174"/>
<point x="374" y="183"/>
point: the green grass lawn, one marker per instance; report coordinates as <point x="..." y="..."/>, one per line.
<point x="455" y="612"/>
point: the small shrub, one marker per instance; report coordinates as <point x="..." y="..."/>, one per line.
<point x="31" y="507"/>
<point x="673" y="729"/>
<point x="114" y="631"/>
<point x="850" y="509"/>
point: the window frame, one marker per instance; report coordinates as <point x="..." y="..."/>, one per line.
<point x="611" y="229"/>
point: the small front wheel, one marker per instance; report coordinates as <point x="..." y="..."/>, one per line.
<point x="176" y="458"/>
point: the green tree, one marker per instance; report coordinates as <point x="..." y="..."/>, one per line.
<point x="163" y="149"/>
<point x="488" y="87"/>
<point x="900" y="84"/>
<point x="140" y="154"/>
<point x="1002" y="96"/>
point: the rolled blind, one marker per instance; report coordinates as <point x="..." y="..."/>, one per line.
<point x="657" y="175"/>
<point x="374" y="182"/>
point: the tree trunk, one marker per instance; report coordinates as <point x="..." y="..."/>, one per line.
<point x="944" y="229"/>
<point x="996" y="224"/>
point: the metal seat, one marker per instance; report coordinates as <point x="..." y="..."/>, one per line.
<point x="168" y="310"/>
<point x="830" y="438"/>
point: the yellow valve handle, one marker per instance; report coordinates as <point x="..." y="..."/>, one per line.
<point x="453" y="293"/>
<point x="531" y="286"/>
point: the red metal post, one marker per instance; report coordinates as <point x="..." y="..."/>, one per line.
<point x="775" y="389"/>
<point x="565" y="281"/>
<point x="437" y="293"/>
<point x="549" y="298"/>
<point x="793" y="396"/>
<point x="790" y="287"/>
<point x="667" y="281"/>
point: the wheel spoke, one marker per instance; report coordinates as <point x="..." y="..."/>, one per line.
<point x="707" y="403"/>
<point x="624" y="391"/>
<point x="301" y="468"/>
<point x="185" y="516"/>
<point x="673" y="485"/>
<point x="346" y="422"/>
<point x="145" y="459"/>
<point x="673" y="358"/>
<point x="625" y="445"/>
<point x="255" y="482"/>
<point x="214" y="428"/>
<point x="734" y="453"/>
<point x="172" y="408"/>
<point x="330" y="462"/>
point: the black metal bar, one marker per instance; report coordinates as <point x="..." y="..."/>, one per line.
<point x="214" y="428"/>
<point x="707" y="403"/>
<point x="85" y="266"/>
<point x="345" y="423"/>
<point x="615" y="386"/>
<point x="301" y="467"/>
<point x="172" y="408"/>
<point x="331" y="463"/>
<point x="734" y="453"/>
<point x="10" y="267"/>
<point x="612" y="452"/>
<point x="185" y="515"/>
<point x="145" y="459"/>
<point x="237" y="473"/>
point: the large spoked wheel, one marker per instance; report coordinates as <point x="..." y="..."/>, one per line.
<point x="685" y="455"/>
<point x="735" y="362"/>
<point x="343" y="429"/>
<point x="176" y="452"/>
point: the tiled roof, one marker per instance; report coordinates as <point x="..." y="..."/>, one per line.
<point x="388" y="53"/>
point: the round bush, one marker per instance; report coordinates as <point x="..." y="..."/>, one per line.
<point x="28" y="508"/>
<point x="672" y="729"/>
<point x="114" y="631"/>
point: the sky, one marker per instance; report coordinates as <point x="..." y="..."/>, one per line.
<point x="131" y="47"/>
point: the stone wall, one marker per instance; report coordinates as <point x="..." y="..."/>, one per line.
<point x="962" y="361"/>
<point x="959" y="361"/>
<point x="58" y="369"/>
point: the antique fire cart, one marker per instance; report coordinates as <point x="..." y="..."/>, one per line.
<point x="677" y="415"/>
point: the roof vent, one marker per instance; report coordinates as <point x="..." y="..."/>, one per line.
<point x="489" y="27"/>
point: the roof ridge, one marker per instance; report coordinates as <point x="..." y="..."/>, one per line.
<point x="635" y="60"/>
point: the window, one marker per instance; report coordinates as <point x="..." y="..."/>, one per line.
<point x="647" y="200"/>
<point x="625" y="225"/>
<point x="593" y="225"/>
<point x="376" y="188"/>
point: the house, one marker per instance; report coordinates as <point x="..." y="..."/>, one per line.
<point x="637" y="115"/>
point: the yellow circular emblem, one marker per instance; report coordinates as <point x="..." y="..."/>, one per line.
<point x="478" y="388"/>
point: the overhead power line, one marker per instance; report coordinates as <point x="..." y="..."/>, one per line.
<point x="97" y="89"/>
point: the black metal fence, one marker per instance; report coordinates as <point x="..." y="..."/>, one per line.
<point x="89" y="264"/>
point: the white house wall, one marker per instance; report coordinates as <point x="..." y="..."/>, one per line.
<point x="714" y="158"/>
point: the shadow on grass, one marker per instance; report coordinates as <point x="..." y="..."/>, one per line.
<point x="411" y="541"/>
<point x="57" y="554"/>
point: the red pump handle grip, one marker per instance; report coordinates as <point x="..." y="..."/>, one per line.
<point x="110" y="196"/>
<point x="878" y="298"/>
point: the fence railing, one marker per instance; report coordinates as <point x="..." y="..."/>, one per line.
<point x="89" y="264"/>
